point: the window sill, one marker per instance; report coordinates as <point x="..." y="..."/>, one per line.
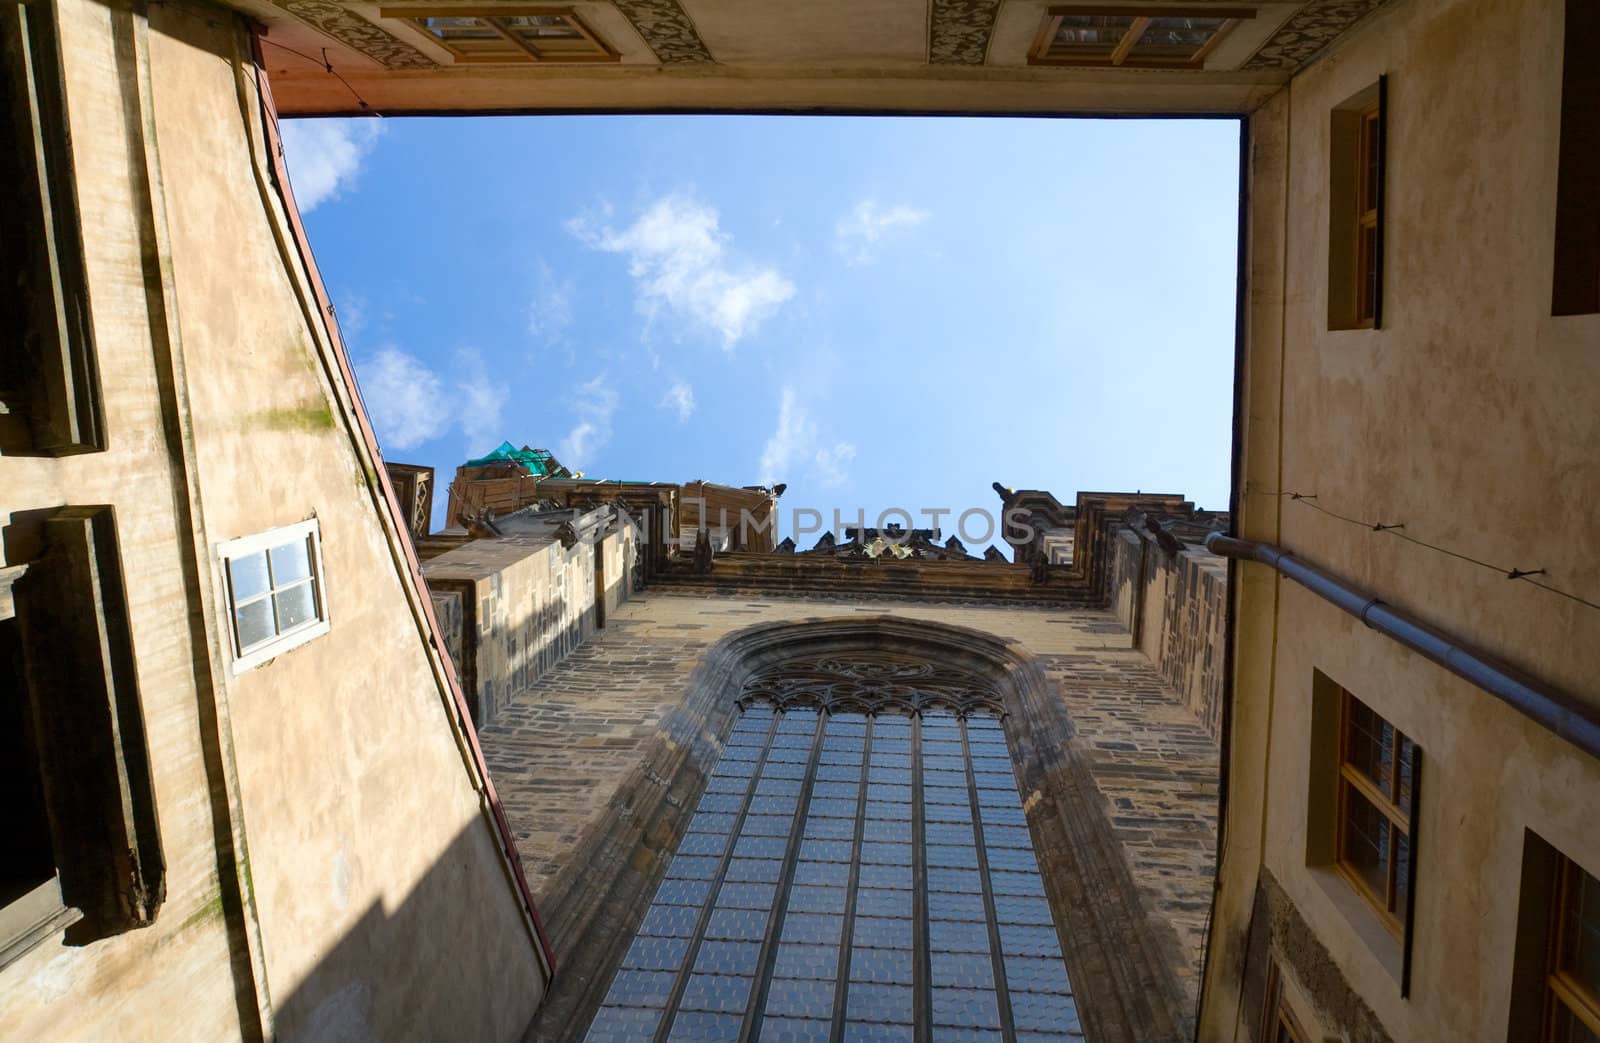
<point x="33" y="918"/>
<point x="279" y="645"/>
<point x="1379" y="940"/>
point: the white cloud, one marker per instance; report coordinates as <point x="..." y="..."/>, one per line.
<point x="832" y="463"/>
<point x="325" y="156"/>
<point x="676" y="254"/>
<point x="680" y="399"/>
<point x="409" y="403"/>
<point x="403" y="399"/>
<point x="856" y="237"/>
<point x="790" y="447"/>
<point x="351" y="313"/>
<point x="793" y="431"/>
<point x="479" y="402"/>
<point x="594" y="404"/>
<point x="550" y="308"/>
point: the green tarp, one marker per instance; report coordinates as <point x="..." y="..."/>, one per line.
<point x="537" y="461"/>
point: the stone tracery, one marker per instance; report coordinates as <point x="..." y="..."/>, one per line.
<point x="871" y="684"/>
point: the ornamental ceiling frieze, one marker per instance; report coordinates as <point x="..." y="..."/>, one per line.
<point x="1307" y="32"/>
<point x="667" y="29"/>
<point x="959" y="31"/>
<point x="663" y="25"/>
<point x="357" y="33"/>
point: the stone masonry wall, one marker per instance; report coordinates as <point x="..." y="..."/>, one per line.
<point x="513" y="607"/>
<point x="1177" y="616"/>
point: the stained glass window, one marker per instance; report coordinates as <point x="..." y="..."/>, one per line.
<point x="850" y="875"/>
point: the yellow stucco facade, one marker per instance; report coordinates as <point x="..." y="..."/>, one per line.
<point x="1466" y="418"/>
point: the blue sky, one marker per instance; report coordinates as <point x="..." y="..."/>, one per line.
<point x="879" y="312"/>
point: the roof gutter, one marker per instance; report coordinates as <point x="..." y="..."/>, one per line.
<point x="1534" y="699"/>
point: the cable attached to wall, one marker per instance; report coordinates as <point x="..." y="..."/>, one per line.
<point x="327" y="66"/>
<point x="1398" y="529"/>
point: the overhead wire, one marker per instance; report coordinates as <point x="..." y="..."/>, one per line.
<point x="327" y="66"/>
<point x="1398" y="529"/>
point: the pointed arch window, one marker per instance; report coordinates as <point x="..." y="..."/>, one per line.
<point x="858" y="867"/>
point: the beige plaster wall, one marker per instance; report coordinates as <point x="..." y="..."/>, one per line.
<point x="124" y="987"/>
<point x="1469" y="417"/>
<point x="377" y="903"/>
<point x="384" y="908"/>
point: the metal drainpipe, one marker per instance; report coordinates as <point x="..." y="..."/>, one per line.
<point x="1533" y="699"/>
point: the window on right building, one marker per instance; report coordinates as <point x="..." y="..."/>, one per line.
<point x="1363" y="803"/>
<point x="1572" y="981"/>
<point x="1377" y="771"/>
<point x="1576" y="285"/>
<point x="1355" y="214"/>
<point x="1555" y="997"/>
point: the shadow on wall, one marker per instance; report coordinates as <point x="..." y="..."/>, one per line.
<point x="449" y="962"/>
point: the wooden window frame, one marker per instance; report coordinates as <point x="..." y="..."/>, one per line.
<point x="50" y="396"/>
<point x="493" y="17"/>
<point x="1276" y="1016"/>
<point x="249" y="657"/>
<point x="1369" y="156"/>
<point x="89" y="734"/>
<point x="1563" y="993"/>
<point x="1400" y="821"/>
<point x="1124" y="54"/>
<point x="1575" y="281"/>
<point x="1358" y="145"/>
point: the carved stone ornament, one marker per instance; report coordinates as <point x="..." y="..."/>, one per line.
<point x="875" y="684"/>
<point x="357" y="33"/>
<point x="667" y="29"/>
<point x="1307" y="32"/>
<point x="959" y="30"/>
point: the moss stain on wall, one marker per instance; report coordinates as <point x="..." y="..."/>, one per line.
<point x="307" y="417"/>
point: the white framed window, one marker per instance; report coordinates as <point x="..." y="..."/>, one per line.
<point x="275" y="596"/>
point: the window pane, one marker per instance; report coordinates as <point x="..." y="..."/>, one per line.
<point x="1371" y="743"/>
<point x="459" y="29"/>
<point x="1402" y="874"/>
<point x="1366" y="842"/>
<point x="1175" y="37"/>
<point x="1408" y="759"/>
<point x="290" y="562"/>
<point x="247" y="575"/>
<point x="1568" y="1029"/>
<point x="1089" y="34"/>
<point x="857" y="869"/>
<point x="297" y="606"/>
<point x="1369" y="161"/>
<point x="542" y="27"/>
<point x="1368" y="273"/>
<point x="1581" y="932"/>
<point x="254" y="622"/>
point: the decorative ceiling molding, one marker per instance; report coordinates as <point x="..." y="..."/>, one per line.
<point x="667" y="29"/>
<point x="1307" y="32"/>
<point x="357" y="33"/>
<point x="959" y="30"/>
<point x="872" y="684"/>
